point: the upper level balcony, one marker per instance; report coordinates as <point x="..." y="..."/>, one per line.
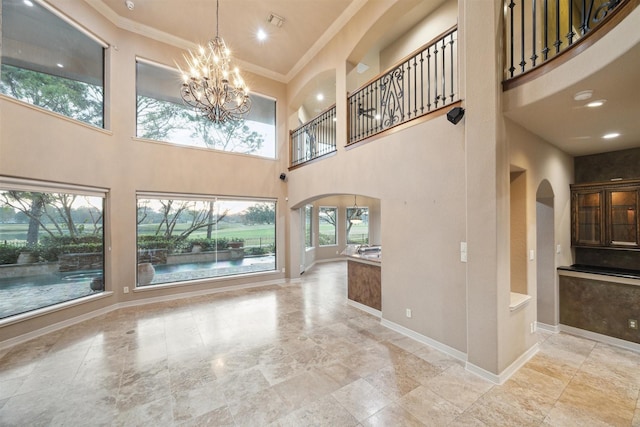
<point x="541" y="81"/>
<point x="570" y="72"/>
<point x="424" y="82"/>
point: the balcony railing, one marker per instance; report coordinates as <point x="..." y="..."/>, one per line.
<point x="538" y="30"/>
<point x="314" y="139"/>
<point x="423" y="82"/>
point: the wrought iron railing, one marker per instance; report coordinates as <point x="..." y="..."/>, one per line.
<point x="423" y="82"/>
<point x="314" y="139"/>
<point x="538" y="30"/>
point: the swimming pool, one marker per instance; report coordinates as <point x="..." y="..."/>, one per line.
<point x="23" y="294"/>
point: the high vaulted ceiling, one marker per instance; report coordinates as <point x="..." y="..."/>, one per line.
<point x="310" y="24"/>
<point x="307" y="26"/>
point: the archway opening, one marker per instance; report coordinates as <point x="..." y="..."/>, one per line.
<point x="546" y="281"/>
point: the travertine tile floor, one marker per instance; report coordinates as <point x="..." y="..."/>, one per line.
<point x="295" y="355"/>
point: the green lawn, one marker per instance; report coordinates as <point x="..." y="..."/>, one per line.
<point x="229" y="231"/>
<point x="241" y="231"/>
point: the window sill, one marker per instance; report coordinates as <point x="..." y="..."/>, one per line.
<point x="518" y="300"/>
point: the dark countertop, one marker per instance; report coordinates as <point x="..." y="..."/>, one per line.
<point x="615" y="272"/>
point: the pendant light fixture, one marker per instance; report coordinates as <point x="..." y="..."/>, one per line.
<point x="210" y="86"/>
<point x="356" y="218"/>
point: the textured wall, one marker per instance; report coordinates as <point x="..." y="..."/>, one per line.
<point x="604" y="167"/>
<point x="599" y="306"/>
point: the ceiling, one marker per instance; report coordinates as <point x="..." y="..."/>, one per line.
<point x="307" y="26"/>
<point x="310" y="24"/>
<point x="577" y="129"/>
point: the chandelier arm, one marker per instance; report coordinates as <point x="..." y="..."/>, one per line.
<point x="210" y="87"/>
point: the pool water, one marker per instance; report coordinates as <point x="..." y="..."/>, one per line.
<point x="23" y="294"/>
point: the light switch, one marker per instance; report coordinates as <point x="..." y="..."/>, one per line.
<point x="532" y="255"/>
<point x="558" y="249"/>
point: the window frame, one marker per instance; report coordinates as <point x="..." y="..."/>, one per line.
<point x="335" y="225"/>
<point x="192" y="141"/>
<point x="189" y="197"/>
<point x="27" y="185"/>
<point x="348" y="219"/>
<point x="308" y="221"/>
<point x="104" y="115"/>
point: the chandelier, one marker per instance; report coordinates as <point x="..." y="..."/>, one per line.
<point x="209" y="85"/>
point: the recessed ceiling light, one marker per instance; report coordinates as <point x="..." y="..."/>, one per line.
<point x="261" y="35"/>
<point x="320" y="97"/>
<point x="598" y="103"/>
<point x="583" y="95"/>
<point x="28" y="3"/>
<point x="611" y="135"/>
<point x="59" y="65"/>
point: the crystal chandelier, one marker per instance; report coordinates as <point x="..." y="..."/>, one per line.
<point x="210" y="86"/>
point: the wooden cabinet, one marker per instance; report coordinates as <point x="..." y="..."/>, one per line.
<point x="606" y="214"/>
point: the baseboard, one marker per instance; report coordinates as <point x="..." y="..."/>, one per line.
<point x="605" y="339"/>
<point x="456" y="354"/>
<point x="366" y="308"/>
<point x="548" y="328"/>
<point x="503" y="376"/>
<point x="87" y="316"/>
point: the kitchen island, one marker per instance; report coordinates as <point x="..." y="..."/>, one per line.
<point x="364" y="278"/>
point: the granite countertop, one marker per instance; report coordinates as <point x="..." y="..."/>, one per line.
<point x="605" y="271"/>
<point x="374" y="257"/>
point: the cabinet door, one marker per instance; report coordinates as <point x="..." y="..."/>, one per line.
<point x="588" y="209"/>
<point x="623" y="217"/>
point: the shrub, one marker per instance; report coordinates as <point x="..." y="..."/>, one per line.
<point x="158" y="242"/>
<point x="208" y="245"/>
<point x="9" y="253"/>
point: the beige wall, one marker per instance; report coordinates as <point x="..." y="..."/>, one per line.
<point x="440" y="20"/>
<point x="437" y="184"/>
<point x="39" y="145"/>
<point x="542" y="161"/>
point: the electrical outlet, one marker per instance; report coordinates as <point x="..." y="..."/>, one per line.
<point x="409" y="313"/>
<point x="532" y="327"/>
<point x="126" y="289"/>
<point x="633" y="324"/>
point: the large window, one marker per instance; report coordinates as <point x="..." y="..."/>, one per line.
<point x="183" y="238"/>
<point x="50" y="63"/>
<point x="162" y="116"/>
<point x="308" y="226"/>
<point x="327" y="225"/>
<point x="52" y="246"/>
<point x="358" y="225"/>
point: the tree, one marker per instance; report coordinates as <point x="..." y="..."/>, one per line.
<point x="232" y="135"/>
<point x="72" y="98"/>
<point x="173" y="211"/>
<point x="52" y="213"/>
<point x="352" y="213"/>
<point x="157" y="118"/>
<point x="263" y="213"/>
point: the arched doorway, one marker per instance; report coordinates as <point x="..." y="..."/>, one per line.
<point x="547" y="287"/>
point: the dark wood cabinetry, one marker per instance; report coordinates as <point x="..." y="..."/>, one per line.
<point x="605" y="215"/>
